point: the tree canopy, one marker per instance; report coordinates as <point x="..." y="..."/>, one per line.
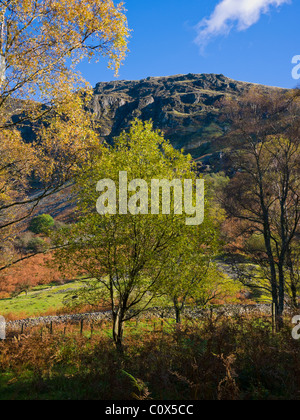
<point x="127" y="255"/>
<point x="43" y="95"/>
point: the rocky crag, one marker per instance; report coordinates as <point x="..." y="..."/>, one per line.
<point x="185" y="107"/>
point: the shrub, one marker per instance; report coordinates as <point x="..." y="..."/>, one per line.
<point x="36" y="245"/>
<point x="41" y="224"/>
<point x="22" y="241"/>
<point x="58" y="225"/>
<point x="256" y="243"/>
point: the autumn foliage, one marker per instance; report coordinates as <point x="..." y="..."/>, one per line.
<point x="33" y="272"/>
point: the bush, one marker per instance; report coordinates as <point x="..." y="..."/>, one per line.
<point x="22" y="241"/>
<point x="36" y="245"/>
<point x="256" y="244"/>
<point x="58" y="225"/>
<point x="41" y="224"/>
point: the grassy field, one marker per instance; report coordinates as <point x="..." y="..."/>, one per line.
<point x="40" y="300"/>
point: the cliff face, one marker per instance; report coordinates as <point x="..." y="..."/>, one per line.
<point x="185" y="107"/>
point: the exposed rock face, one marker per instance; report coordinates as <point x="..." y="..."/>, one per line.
<point x="185" y="107"/>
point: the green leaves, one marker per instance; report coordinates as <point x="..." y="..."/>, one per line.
<point x="128" y="254"/>
<point x="41" y="224"/>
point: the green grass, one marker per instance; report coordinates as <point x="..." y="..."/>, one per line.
<point x="39" y="300"/>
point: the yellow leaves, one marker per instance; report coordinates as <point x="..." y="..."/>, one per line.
<point x="47" y="38"/>
<point x="16" y="162"/>
<point x="66" y="143"/>
<point x="44" y="41"/>
<point x="16" y="158"/>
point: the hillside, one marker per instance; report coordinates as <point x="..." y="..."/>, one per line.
<point x="185" y="107"/>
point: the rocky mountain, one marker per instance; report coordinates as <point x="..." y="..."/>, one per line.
<point x="185" y="107"/>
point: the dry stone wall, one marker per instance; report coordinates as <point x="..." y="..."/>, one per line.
<point x="226" y="311"/>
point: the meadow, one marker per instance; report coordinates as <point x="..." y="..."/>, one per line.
<point x="39" y="301"/>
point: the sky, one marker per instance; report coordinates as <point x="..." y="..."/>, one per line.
<point x="248" y="40"/>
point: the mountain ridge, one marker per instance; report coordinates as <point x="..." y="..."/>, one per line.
<point x="186" y="107"/>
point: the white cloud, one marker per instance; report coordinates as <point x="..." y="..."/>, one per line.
<point x="243" y="13"/>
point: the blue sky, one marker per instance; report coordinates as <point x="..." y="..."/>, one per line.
<point x="247" y="40"/>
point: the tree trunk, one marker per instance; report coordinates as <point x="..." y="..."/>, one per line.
<point x="178" y="309"/>
<point x="118" y="329"/>
<point x="178" y="315"/>
<point x="281" y="296"/>
<point x="277" y="292"/>
<point x="294" y="296"/>
<point x="293" y="280"/>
